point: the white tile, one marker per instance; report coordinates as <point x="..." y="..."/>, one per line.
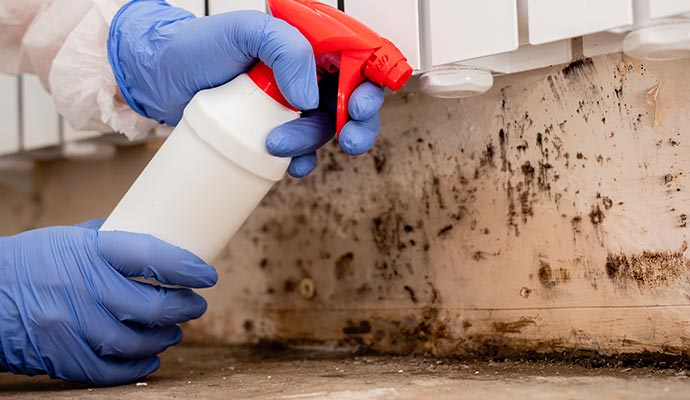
<point x="9" y="114"/>
<point x="646" y="9"/>
<point x="602" y="43"/>
<point x="526" y="58"/>
<point x="197" y="7"/>
<point x="332" y="3"/>
<point x="40" y="120"/>
<point x="221" y="6"/>
<point x="400" y="26"/>
<point x="461" y="30"/>
<point x="551" y="20"/>
<point x="70" y="134"/>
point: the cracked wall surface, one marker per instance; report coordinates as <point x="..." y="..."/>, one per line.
<point x="549" y="213"/>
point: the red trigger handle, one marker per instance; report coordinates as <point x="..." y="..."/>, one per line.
<point x="364" y="54"/>
<point x="350" y="77"/>
<point x="386" y="66"/>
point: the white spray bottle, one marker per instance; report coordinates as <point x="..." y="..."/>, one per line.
<point x="213" y="170"/>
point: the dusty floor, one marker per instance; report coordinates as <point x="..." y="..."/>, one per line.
<point x="243" y="373"/>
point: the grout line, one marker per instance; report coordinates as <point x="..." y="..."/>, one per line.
<point x="20" y="112"/>
<point x="424" y="42"/>
<point x="578" y="49"/>
<point x="61" y="130"/>
<point x="650" y="306"/>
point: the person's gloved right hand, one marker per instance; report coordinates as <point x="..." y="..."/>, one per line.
<point x="162" y="56"/>
<point x="68" y="310"/>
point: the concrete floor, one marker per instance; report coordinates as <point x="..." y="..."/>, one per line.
<point x="243" y="373"/>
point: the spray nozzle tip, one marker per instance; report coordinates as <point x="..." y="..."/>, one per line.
<point x="398" y="76"/>
<point x="388" y="67"/>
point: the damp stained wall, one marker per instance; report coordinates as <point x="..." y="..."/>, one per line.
<point x="548" y="214"/>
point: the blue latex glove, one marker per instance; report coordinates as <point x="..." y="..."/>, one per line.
<point x="161" y="56"/>
<point x="68" y="310"/>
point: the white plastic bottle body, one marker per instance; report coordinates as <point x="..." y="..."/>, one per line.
<point x="211" y="172"/>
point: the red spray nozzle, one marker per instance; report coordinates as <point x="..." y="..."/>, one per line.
<point x="342" y="43"/>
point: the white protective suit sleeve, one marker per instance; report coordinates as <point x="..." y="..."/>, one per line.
<point x="64" y="43"/>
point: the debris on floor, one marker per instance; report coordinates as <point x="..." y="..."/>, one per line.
<point x="258" y="374"/>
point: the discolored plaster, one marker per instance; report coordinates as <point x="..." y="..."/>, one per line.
<point x="549" y="213"/>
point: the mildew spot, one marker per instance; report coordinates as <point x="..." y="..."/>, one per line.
<point x="551" y="278"/>
<point x="513" y="327"/>
<point x="650" y="268"/>
<point x="596" y="216"/>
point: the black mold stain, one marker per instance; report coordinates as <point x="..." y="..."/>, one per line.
<point x="362" y="328"/>
<point x="412" y="333"/>
<point x="512" y="209"/>
<point x="576" y="223"/>
<point x="513" y="327"/>
<point x="607" y="202"/>
<point x="437" y="189"/>
<point x="596" y="216"/>
<point x="526" y="206"/>
<point x="379" y="163"/>
<point x="575" y="67"/>
<point x="503" y="145"/>
<point x="289" y="286"/>
<point x="650" y="268"/>
<point x="410" y="291"/>
<point x="543" y="180"/>
<point x="386" y="232"/>
<point x="551" y="278"/>
<point x="444" y="230"/>
<point x="528" y="171"/>
<point x="618" y="92"/>
<point x="487" y="159"/>
<point x="343" y="266"/>
<point x="554" y="89"/>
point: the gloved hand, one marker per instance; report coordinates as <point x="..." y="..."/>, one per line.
<point x="67" y="308"/>
<point x="161" y="56"/>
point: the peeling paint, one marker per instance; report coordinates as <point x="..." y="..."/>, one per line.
<point x="653" y="101"/>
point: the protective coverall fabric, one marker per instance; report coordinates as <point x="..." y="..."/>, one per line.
<point x="64" y="43"/>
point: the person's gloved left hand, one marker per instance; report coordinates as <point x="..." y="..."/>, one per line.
<point x="68" y="309"/>
<point x="162" y="56"/>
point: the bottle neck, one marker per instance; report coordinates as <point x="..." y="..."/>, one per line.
<point x="263" y="77"/>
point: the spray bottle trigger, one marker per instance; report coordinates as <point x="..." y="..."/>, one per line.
<point x="351" y="76"/>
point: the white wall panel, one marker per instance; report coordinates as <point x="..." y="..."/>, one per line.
<point x="602" y="43"/>
<point x="221" y="6"/>
<point x="9" y="114"/>
<point x="396" y="20"/>
<point x="332" y="3"/>
<point x="70" y="134"/>
<point x="39" y="118"/>
<point x="197" y="7"/>
<point x="645" y="9"/>
<point x="461" y="30"/>
<point x="526" y="58"/>
<point x="551" y="20"/>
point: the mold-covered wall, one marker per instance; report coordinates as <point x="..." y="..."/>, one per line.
<point x="549" y="213"/>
